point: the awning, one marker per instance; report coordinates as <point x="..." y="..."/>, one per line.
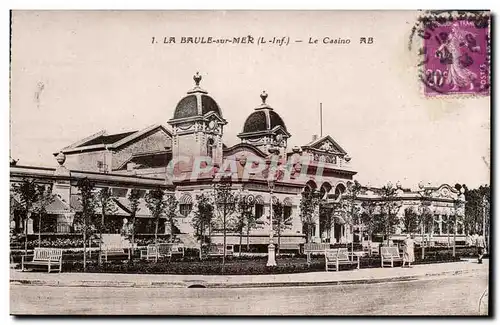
<point x="142" y="211"/>
<point x="58" y="206"/>
<point x="116" y="207"/>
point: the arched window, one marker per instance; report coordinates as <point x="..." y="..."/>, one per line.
<point x="185" y="204"/>
<point x="339" y="190"/>
<point x="259" y="206"/>
<point x="325" y="189"/>
<point x="287" y="211"/>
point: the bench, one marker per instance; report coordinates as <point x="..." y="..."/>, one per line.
<point x="337" y="257"/>
<point x="289" y="247"/>
<point x="372" y="248"/>
<point x="314" y="248"/>
<point x="170" y="249"/>
<point x="151" y="251"/>
<point x="217" y="250"/>
<point x="50" y="258"/>
<point x="390" y="255"/>
<point x="162" y="250"/>
<point x="113" y="246"/>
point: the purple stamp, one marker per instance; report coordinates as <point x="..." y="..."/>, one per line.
<point x="457" y="58"/>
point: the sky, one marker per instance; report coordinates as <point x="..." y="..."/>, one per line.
<point x="76" y="73"/>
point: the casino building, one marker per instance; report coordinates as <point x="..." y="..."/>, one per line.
<point x="161" y="156"/>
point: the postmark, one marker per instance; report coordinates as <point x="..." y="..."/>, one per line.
<point x="455" y="53"/>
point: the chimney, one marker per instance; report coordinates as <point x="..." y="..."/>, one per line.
<point x="315" y="137"/>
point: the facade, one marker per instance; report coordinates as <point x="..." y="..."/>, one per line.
<point x="186" y="157"/>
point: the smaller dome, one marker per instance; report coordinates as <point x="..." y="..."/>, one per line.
<point x="196" y="103"/>
<point x="188" y="106"/>
<point x="264" y="118"/>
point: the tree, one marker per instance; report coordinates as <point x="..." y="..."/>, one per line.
<point x="251" y="221"/>
<point x="368" y="210"/>
<point x="425" y="216"/>
<point x="474" y="208"/>
<point x="89" y="204"/>
<point x="225" y="203"/>
<point x="410" y="220"/>
<point x="45" y="198"/>
<point x="203" y="217"/>
<point x="389" y="207"/>
<point x="369" y="219"/>
<point x="326" y="218"/>
<point x="351" y="208"/>
<point x="134" y="201"/>
<point x="107" y="208"/>
<point x="171" y="213"/>
<point x="155" y="201"/>
<point x="244" y="215"/>
<point x="28" y="195"/>
<point x="278" y="223"/>
<point x="309" y="202"/>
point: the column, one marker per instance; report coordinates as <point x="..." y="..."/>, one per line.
<point x="30" y="226"/>
<point x="332" y="233"/>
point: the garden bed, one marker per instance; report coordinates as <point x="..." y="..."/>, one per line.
<point x="233" y="266"/>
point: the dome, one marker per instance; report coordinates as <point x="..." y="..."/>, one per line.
<point x="263" y="119"/>
<point x="188" y="106"/>
<point x="196" y="103"/>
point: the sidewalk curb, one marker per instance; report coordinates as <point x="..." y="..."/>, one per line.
<point x="205" y="284"/>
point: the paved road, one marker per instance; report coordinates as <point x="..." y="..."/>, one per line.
<point x="454" y="295"/>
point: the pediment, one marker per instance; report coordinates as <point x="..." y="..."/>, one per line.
<point x="243" y="149"/>
<point x="446" y="191"/>
<point x="326" y="144"/>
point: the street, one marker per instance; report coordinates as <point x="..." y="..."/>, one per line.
<point x="452" y="295"/>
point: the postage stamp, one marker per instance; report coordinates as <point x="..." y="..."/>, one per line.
<point x="456" y="54"/>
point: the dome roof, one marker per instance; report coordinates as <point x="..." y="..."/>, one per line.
<point x="188" y="106"/>
<point x="196" y="103"/>
<point x="263" y="119"/>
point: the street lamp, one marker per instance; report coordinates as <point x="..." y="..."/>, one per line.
<point x="271" y="260"/>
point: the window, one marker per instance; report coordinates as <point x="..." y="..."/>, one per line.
<point x="259" y="210"/>
<point x="259" y="206"/>
<point x="447" y="227"/>
<point x="287" y="211"/>
<point x="119" y="192"/>
<point x="185" y="209"/>
<point x="436" y="225"/>
<point x="185" y="204"/>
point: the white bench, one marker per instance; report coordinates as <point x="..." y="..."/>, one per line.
<point x="113" y="245"/>
<point x="389" y="255"/>
<point x="162" y="250"/>
<point x="315" y="248"/>
<point x="50" y="258"/>
<point x="337" y="257"/>
<point x="151" y="251"/>
<point x="217" y="250"/>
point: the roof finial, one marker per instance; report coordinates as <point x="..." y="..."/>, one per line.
<point x="263" y="96"/>
<point x="197" y="79"/>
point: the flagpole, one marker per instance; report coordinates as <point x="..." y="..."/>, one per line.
<point x="321" y="119"/>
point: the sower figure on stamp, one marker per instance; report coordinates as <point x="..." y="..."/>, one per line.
<point x="459" y="76"/>
<point x="481" y="244"/>
<point x="408" y="251"/>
